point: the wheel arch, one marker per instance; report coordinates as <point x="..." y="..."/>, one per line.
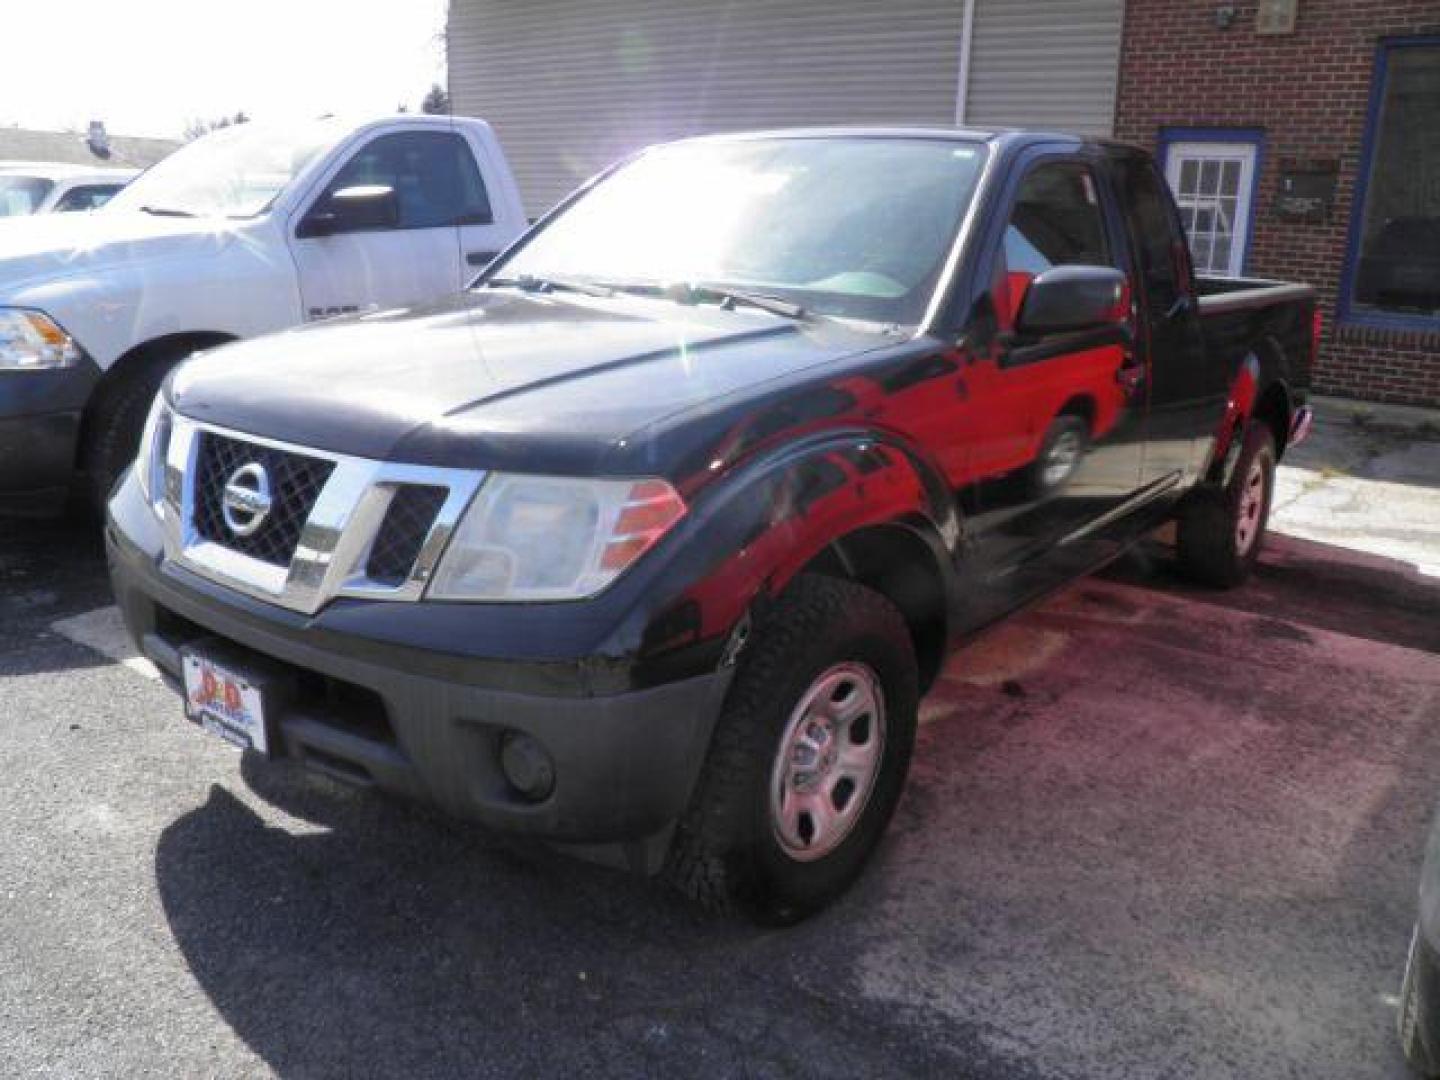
<point x="1081" y="405"/>
<point x="1260" y="392"/>
<point x="896" y="561"/>
<point x="853" y="504"/>
<point x="165" y="349"/>
<point x="1274" y="409"/>
<point x="1273" y="403"/>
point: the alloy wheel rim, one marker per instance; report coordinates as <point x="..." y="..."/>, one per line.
<point x="1252" y="506"/>
<point x="829" y="760"/>
<point x="1060" y="462"/>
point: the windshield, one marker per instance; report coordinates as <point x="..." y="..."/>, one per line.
<point x="20" y="195"/>
<point x="855" y="227"/>
<point x="234" y="172"/>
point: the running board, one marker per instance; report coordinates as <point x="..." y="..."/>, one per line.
<point x="1147" y="495"/>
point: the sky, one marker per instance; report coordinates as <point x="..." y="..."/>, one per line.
<point x="150" y="67"/>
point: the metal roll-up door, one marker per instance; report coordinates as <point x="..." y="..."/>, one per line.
<point x="571" y="85"/>
<point x="1045" y="63"/>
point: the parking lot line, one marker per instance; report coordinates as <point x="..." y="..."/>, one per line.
<point x="104" y="631"/>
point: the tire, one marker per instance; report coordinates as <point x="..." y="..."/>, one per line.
<point x="729" y="854"/>
<point x="1061" y="451"/>
<point x="112" y="434"/>
<point x="1220" y="531"/>
<point x="1411" y="1019"/>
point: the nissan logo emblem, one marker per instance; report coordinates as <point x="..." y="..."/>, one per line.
<point x="246" y="502"/>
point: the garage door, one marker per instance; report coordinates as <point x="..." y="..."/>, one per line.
<point x="1044" y="63"/>
<point x="571" y="85"/>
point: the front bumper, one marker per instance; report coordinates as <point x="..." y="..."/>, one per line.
<point x="430" y="725"/>
<point x="40" y="414"/>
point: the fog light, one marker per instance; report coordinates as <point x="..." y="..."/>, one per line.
<point x="527" y="766"/>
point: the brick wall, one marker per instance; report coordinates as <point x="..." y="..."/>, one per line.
<point x="1309" y="92"/>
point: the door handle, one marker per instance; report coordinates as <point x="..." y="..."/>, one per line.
<point x="480" y="258"/>
<point x="1181" y="306"/>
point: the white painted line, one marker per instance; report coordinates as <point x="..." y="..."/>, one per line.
<point x="104" y="631"/>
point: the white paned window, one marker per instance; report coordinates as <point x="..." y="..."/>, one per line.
<point x="1213" y="184"/>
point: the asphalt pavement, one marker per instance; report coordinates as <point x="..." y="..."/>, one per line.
<point x="1152" y="831"/>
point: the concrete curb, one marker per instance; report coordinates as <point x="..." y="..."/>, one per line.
<point x="1411" y="418"/>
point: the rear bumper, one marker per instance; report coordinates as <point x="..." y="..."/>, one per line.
<point x="432" y="727"/>
<point x="1300" y="425"/>
<point x="40" y="415"/>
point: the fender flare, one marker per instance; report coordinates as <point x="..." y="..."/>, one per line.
<point x="782" y="513"/>
<point x="1260" y="387"/>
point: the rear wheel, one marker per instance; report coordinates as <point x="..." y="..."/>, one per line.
<point x="808" y="759"/>
<point x="1220" y="531"/>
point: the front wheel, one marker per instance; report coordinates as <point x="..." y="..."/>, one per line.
<point x="808" y="758"/>
<point x="1220" y="530"/>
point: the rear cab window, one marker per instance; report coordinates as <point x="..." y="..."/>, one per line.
<point x="1160" y="252"/>
<point x="86" y="197"/>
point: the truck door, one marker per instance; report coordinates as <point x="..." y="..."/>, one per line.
<point x="1187" y="391"/>
<point x="1054" y="424"/>
<point x="416" y="257"/>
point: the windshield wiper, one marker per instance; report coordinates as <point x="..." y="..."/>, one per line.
<point x="165" y="211"/>
<point x="533" y="283"/>
<point x="682" y="293"/>
<point x="695" y="292"/>
<point x="764" y="301"/>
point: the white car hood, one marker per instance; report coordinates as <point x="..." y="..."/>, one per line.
<point x="44" y="247"/>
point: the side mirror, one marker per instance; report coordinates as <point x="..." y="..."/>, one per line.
<point x="362" y="208"/>
<point x="1065" y="299"/>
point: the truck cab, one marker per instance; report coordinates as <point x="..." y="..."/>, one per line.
<point x="252" y="229"/>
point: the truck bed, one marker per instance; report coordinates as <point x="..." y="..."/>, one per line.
<point x="1244" y="316"/>
<point x="1232" y="293"/>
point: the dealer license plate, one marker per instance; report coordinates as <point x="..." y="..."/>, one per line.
<point x="225" y="702"/>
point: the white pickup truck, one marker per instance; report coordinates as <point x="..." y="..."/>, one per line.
<point x="248" y="230"/>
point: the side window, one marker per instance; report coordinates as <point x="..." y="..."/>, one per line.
<point x="86" y="197"/>
<point x="1159" y="247"/>
<point x="433" y="174"/>
<point x="1056" y="221"/>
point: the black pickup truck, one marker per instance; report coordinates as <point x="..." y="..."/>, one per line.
<point x="650" y="542"/>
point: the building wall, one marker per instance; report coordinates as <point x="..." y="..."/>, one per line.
<point x="1309" y="91"/>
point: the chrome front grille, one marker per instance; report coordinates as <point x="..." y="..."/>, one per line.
<point x="296" y="480"/>
<point x="403" y="530"/>
<point x="337" y="525"/>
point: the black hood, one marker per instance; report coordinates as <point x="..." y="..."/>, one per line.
<point x="486" y="376"/>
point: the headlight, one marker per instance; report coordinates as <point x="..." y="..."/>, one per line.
<point x="31" y="341"/>
<point x="154" y="446"/>
<point x="552" y="538"/>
